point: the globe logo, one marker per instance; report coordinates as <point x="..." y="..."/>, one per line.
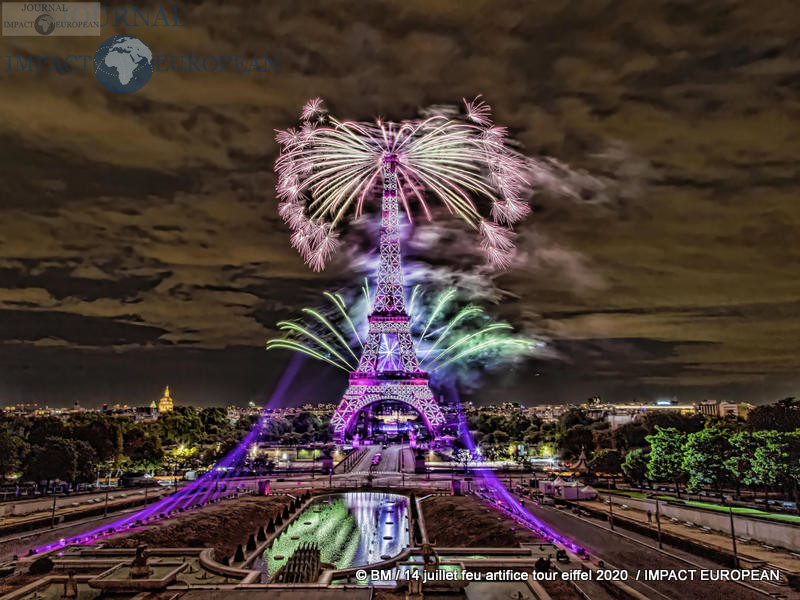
<point x="44" y="24"/>
<point x="123" y="64"/>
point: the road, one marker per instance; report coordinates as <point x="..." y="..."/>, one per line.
<point x="624" y="552"/>
<point x="363" y="465"/>
<point x="70" y="508"/>
<point x="394" y="458"/>
<point x="20" y="543"/>
<point x="391" y="460"/>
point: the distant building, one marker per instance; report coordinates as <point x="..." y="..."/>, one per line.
<point x="719" y="408"/>
<point x="165" y="405"/>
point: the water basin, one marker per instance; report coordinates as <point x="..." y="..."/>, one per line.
<point x="350" y="529"/>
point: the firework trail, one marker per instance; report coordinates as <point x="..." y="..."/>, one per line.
<point x="448" y="337"/>
<point x="328" y="170"/>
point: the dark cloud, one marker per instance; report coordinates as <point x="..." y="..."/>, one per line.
<point x="57" y="328"/>
<point x="61" y="283"/>
<point x="139" y="240"/>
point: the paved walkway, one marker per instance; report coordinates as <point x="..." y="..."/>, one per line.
<point x="116" y="500"/>
<point x="753" y="550"/>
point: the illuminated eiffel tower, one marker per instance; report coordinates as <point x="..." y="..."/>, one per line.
<point x="388" y="369"/>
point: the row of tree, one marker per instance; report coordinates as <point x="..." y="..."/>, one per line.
<point x="501" y="435"/>
<point x="89" y="445"/>
<point x="716" y="457"/>
<point x="761" y="451"/>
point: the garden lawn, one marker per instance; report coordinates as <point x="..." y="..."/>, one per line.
<point x="737" y="510"/>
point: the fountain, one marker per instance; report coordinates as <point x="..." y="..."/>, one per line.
<point x="350" y="529"/>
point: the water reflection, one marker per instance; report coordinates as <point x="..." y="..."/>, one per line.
<point x="351" y="529"/>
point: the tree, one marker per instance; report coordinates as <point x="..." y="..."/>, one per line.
<point x="463" y="457"/>
<point x="606" y="461"/>
<point x="666" y="456"/>
<point x="574" y="440"/>
<point x="12" y="449"/>
<point x="214" y="420"/>
<point x="672" y="419"/>
<point x="306" y="422"/>
<point x="55" y="458"/>
<point x="325" y="431"/>
<point x="101" y="432"/>
<point x="776" y="460"/>
<point x="740" y="461"/>
<point x="533" y="436"/>
<point x="182" y="425"/>
<point x="246" y="423"/>
<point x="292" y="438"/>
<point x="516" y="425"/>
<point x="792" y="456"/>
<point x="635" y="465"/>
<point x="275" y="429"/>
<point x="85" y="462"/>
<point x="704" y="458"/>
<point x="572" y="418"/>
<point x="42" y="428"/>
<point x="143" y="448"/>
<point x="603" y="438"/>
<point x="629" y="435"/>
<point x="499" y="437"/>
<point x="782" y="416"/>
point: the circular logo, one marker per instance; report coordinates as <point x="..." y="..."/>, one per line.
<point x="123" y="64"/>
<point x="44" y="24"/>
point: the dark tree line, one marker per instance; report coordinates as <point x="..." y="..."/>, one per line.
<point x="89" y="445"/>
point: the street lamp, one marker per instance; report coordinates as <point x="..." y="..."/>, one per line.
<point x="175" y="476"/>
<point x="402" y="458"/>
<point x="733" y="534"/>
<point x="658" y="522"/>
<point x="108" y="483"/>
<point x="611" y="512"/>
<point x="53" y="517"/>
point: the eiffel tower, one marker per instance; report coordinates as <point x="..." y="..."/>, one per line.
<point x="388" y="369"/>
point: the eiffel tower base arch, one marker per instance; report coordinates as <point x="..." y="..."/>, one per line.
<point x="358" y="396"/>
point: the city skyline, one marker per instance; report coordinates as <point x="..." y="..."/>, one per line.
<point x="658" y="263"/>
<point x="304" y="403"/>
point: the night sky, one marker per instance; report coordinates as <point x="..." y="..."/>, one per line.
<point x="140" y="244"/>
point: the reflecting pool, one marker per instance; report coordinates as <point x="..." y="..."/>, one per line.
<point x="350" y="529"/>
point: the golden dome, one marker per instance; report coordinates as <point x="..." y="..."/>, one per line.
<point x="165" y="404"/>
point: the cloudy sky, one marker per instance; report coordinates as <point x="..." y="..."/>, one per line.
<point x="140" y="244"/>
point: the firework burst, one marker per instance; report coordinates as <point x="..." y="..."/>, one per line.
<point x="449" y="338"/>
<point x="329" y="170"/>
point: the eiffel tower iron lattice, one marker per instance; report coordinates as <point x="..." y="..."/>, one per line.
<point x="388" y="368"/>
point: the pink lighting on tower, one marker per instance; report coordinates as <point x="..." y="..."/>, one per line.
<point x="388" y="368"/>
